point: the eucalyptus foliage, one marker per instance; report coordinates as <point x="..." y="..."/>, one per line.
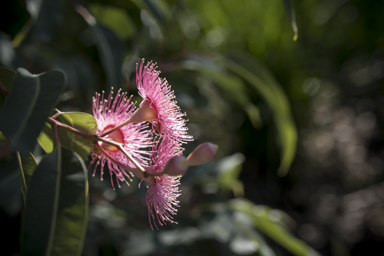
<point x="68" y="50"/>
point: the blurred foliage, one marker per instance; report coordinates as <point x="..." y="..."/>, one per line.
<point x="219" y="57"/>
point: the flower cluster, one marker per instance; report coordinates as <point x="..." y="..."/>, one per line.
<point x="146" y="141"/>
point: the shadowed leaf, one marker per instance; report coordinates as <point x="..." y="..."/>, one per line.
<point x="109" y="46"/>
<point x="6" y="78"/>
<point x="261" y="79"/>
<point x="28" y="165"/>
<point x="28" y="106"/>
<point x="55" y="216"/>
<point x="47" y="17"/>
<point x="116" y="19"/>
<point x="230" y="84"/>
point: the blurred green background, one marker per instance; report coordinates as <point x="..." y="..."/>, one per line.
<point x="298" y="123"/>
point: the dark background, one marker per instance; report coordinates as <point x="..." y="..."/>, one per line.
<point x="332" y="196"/>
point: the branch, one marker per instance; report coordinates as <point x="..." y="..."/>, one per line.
<point x="95" y="138"/>
<point x="87" y="136"/>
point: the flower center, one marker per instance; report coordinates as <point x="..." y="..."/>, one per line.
<point x="116" y="136"/>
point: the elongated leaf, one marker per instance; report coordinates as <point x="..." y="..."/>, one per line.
<point x="46" y="138"/>
<point x="10" y="185"/>
<point x="252" y="234"/>
<point x="28" y="165"/>
<point x="158" y="9"/>
<point x="81" y="121"/>
<point x="55" y="216"/>
<point x="230" y="84"/>
<point x="110" y="49"/>
<point x="273" y="229"/>
<point x="291" y="13"/>
<point x="260" y="78"/>
<point x="28" y="106"/>
<point x="48" y="16"/>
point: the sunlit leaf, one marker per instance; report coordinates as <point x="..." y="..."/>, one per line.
<point x="81" y="121"/>
<point x="229" y="169"/>
<point x="265" y="223"/>
<point x="245" y="227"/>
<point x="28" y="105"/>
<point x="55" y="216"/>
<point x="262" y="80"/>
<point x="291" y="13"/>
<point x="46" y="138"/>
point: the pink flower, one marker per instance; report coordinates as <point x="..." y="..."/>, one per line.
<point x="157" y="94"/>
<point x="163" y="191"/>
<point x="110" y="112"/>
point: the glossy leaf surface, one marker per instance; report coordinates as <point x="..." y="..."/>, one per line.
<point x="269" y="224"/>
<point x="257" y="75"/>
<point x="56" y="212"/>
<point x="28" y="105"/>
<point x="81" y="121"/>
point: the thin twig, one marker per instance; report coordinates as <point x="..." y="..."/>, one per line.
<point x="22" y="175"/>
<point x="94" y="139"/>
<point x="87" y="136"/>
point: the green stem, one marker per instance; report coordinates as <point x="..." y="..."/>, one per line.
<point x="23" y="182"/>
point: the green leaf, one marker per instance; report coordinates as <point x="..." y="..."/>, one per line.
<point x="28" y="105"/>
<point x="110" y="49"/>
<point x="263" y="220"/>
<point x="47" y="19"/>
<point x="27" y="164"/>
<point x="158" y="8"/>
<point x="116" y="19"/>
<point x="55" y="216"/>
<point x="229" y="170"/>
<point x="78" y="120"/>
<point x="46" y="138"/>
<point x="252" y="234"/>
<point x="6" y="78"/>
<point x="230" y="84"/>
<point x="262" y="80"/>
<point x="10" y="185"/>
<point x="291" y="14"/>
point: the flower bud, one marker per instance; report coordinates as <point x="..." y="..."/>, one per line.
<point x="176" y="166"/>
<point x="203" y="153"/>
